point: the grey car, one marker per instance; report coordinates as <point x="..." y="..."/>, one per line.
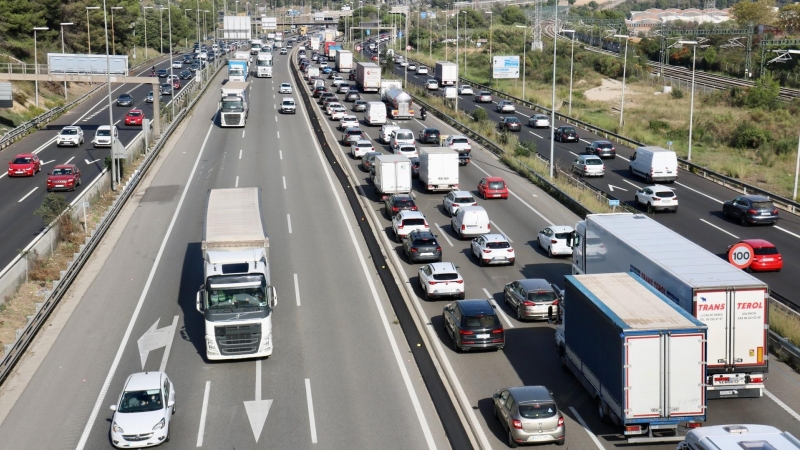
<point x="530" y="298"/>
<point x="603" y="149"/>
<point x="125" y="100"/>
<point x="421" y="245"/>
<point x="367" y="160"/>
<point x="530" y="415"/>
<point x="589" y="166"/>
<point x="360" y="106"/>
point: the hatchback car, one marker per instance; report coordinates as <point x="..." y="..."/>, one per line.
<point x="530" y="415"/>
<point x="185" y="75"/>
<point x="407" y="150"/>
<point x="337" y="112"/>
<point x="657" y="198"/>
<point x="603" y="149"/>
<point x="429" y="136"/>
<point x="407" y="221"/>
<point x="325" y="96"/>
<point x="125" y="100"/>
<point x="150" y="98"/>
<point x="368" y="160"/>
<point x="431" y="85"/>
<point x="414" y="167"/>
<point x="352" y="95"/>
<point x="422" y="70"/>
<point x="751" y="209"/>
<point x="493" y="249"/>
<point x="165" y="89"/>
<point x="556" y="240"/>
<point x="143" y="413"/>
<point x="509" y="124"/>
<point x="360" y="106"/>
<point x="176" y="83"/>
<point x="588" y="166"/>
<point x="539" y="121"/>
<point x="352" y="134"/>
<point x="465" y="90"/>
<point x="454" y="200"/>
<point x="441" y="279"/>
<point x="283" y="51"/>
<point x="492" y="187"/>
<point x="70" y="135"/>
<point x="398" y="202"/>
<point x="483" y="97"/>
<point x="337" y="80"/>
<point x="177" y="64"/>
<point x="766" y="257"/>
<point x="458" y="143"/>
<point x="420" y="246"/>
<point x="318" y="91"/>
<point x="134" y="117"/>
<point x="65" y="177"/>
<point x="285" y="88"/>
<point x="411" y="66"/>
<point x="24" y="165"/>
<point x="566" y="134"/>
<point x="530" y="298"/>
<point x="360" y="148"/>
<point x="473" y="324"/>
<point x="348" y="121"/>
<point x="506" y="106"/>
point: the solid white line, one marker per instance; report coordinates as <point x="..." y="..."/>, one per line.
<point x="28" y="194"/>
<point x="720" y="229"/>
<point x="584" y="140"/>
<point x="237" y="181"/>
<point x="549" y="222"/>
<point x="203" y="413"/>
<point x="68" y="161"/>
<point x="444" y="235"/>
<point x="289" y="220"/>
<point x="101" y="397"/>
<point x="531" y="132"/>
<point x="786" y="231"/>
<point x="311" y="420"/>
<point x="782" y="404"/>
<point x="695" y="190"/>
<point x="498" y="308"/>
<point x="4" y="174"/>
<point x="573" y="152"/>
<point x="583" y="424"/>
<point x="280" y="153"/>
<point x="48" y="162"/>
<point x="284" y="182"/>
<point x="240" y="153"/>
<point x="296" y="290"/>
<point x="501" y="231"/>
<point x="620" y="156"/>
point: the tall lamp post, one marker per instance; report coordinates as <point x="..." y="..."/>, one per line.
<point x="237" y="7"/>
<point x="186" y="39"/>
<point x="144" y="13"/>
<point x="524" y="59"/>
<point x="430" y="41"/>
<point x="64" y="24"/>
<point x="691" y="102"/>
<point x="491" y="56"/>
<point x="553" y="107"/>
<point x="624" y="70"/>
<point x="113" y="41"/>
<point x="161" y="28"/>
<point x="36" y="60"/>
<point x="114" y="173"/>
<point x="171" y="73"/>
<point x="571" y="63"/>
<point x="88" y="34"/>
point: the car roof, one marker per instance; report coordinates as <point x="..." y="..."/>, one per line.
<point x="561" y="228"/>
<point x="71" y="127"/>
<point x="24" y="155"/>
<point x="660" y="188"/>
<point x="403" y="196"/>
<point x="589" y="157"/>
<point x="756" y="198"/>
<point x="601" y="142"/>
<point x="104" y="127"/>
<point x="135" y="110"/>
<point x="411" y="215"/>
<point x="443" y="267"/>
<point x="758" y="243"/>
<point x="362" y="142"/>
<point x="423" y="234"/>
<point x="495" y="237"/>
<point x="143" y="381"/>
<point x="349" y="117"/>
<point x="125" y="95"/>
<point x="285" y="84"/>
<point x="71" y="166"/>
<point x="491" y="179"/>
<point x="475" y="307"/>
<point x="462" y="193"/>
<point x="348" y="129"/>
<point x="527" y="394"/>
<point x="535" y="284"/>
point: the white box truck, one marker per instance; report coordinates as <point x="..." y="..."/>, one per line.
<point x="233" y="109"/>
<point x="237" y="298"/>
<point x="641" y="357"/>
<point x="344" y="61"/>
<point x="438" y="168"/>
<point x="391" y="174"/>
<point x="731" y="302"/>
<point x="738" y="437"/>
<point x="368" y="76"/>
<point x="264" y="65"/>
<point x="446" y="73"/>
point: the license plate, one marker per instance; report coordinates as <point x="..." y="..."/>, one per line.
<point x="499" y="258"/>
<point x="20" y="171"/>
<point x="426" y="254"/>
<point x="537" y="438"/>
<point x="481" y="336"/>
<point x="472" y="226"/>
<point x="542" y="306"/>
<point x="765" y="213"/>
<point x="768" y="259"/>
<point x="496" y="195"/>
<point x="59" y="185"/>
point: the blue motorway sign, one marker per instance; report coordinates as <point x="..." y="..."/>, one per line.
<point x="505" y="67"/>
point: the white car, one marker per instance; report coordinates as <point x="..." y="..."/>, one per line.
<point x="458" y="143"/>
<point x="441" y="279"/>
<point x="493" y="249"/>
<point x="506" y="106"/>
<point x="360" y="148"/>
<point x="403" y="63"/>
<point x="407" y="221"/>
<point x="348" y="121"/>
<point x="386" y="131"/>
<point x="330" y="107"/>
<point x="102" y="136"/>
<point x="406" y="150"/>
<point x="657" y="198"/>
<point x="401" y="136"/>
<point x="70" y="135"/>
<point x="411" y="66"/>
<point x="455" y="200"/>
<point x="173" y="77"/>
<point x="343" y="88"/>
<point x="177" y="64"/>
<point x="465" y="90"/>
<point x="285" y="88"/>
<point x="556" y="239"/>
<point x="337" y="112"/>
<point x="432" y="85"/>
<point x="283" y="50"/>
<point x="337" y="81"/>
<point x="539" y="121"/>
<point x="143" y="413"/>
<point x="422" y="70"/>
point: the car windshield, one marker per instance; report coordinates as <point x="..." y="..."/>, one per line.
<point x="459" y="141"/>
<point x="404" y="136"/>
<point x="125" y="97"/>
<point x="497" y="245"/>
<point x="425" y="241"/>
<point x="766" y="251"/>
<point x="593" y="162"/>
<point x="408" y="149"/>
<point x="465" y="199"/>
<point x="140" y="401"/>
<point x="413" y="222"/>
<point x="536" y="410"/>
<point x="496" y="185"/>
<point x="232" y="106"/>
<point x="604" y="145"/>
<point x="66" y="131"/>
<point x="512" y="119"/>
<point x="354" y="132"/>
<point x="104" y="132"/>
<point x="542" y="296"/>
<point x="665" y="194"/>
<point x="134" y="113"/>
<point x="541" y="117"/>
<point x="763" y="205"/>
<point x="486" y="94"/>
<point x="480" y="321"/>
<point x="62" y="172"/>
<point x="364" y="145"/>
<point x="25" y="160"/>
<point x="568" y="130"/>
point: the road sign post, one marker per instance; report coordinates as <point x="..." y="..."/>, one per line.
<point x="613" y="204"/>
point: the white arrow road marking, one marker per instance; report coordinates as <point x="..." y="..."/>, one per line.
<point x="28" y="194"/>
<point x="91" y="162"/>
<point x="48" y="162"/>
<point x="155" y="338"/>
<point x="69" y="160"/>
<point x="257" y="410"/>
<point x="611" y="188"/>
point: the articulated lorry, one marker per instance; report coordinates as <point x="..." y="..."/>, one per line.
<point x="399" y="104"/>
<point x="344" y="61"/>
<point x="391" y="174"/>
<point x="237" y="297"/>
<point x="264" y="65"/>
<point x="446" y="73"/>
<point x="731" y="302"/>
<point x="368" y="76"/>
<point x="438" y="168"/>
<point x="237" y="70"/>
<point x="233" y="108"/>
<point x="641" y="357"/>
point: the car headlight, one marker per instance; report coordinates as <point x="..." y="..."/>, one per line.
<point x="159" y="425"/>
<point x="117" y="429"/>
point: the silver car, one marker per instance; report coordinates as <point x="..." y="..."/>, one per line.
<point x="589" y="166"/>
<point x="539" y="121"/>
<point x="530" y="298"/>
<point x="530" y="415"/>
<point x="506" y="106"/>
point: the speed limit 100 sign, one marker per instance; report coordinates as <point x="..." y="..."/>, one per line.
<point x="358" y="48"/>
<point x="741" y="255"/>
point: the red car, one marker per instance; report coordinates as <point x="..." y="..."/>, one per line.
<point x="134" y="117"/>
<point x="766" y="257"/>
<point x="493" y="187"/>
<point x="176" y="84"/>
<point x="374" y="57"/>
<point x="65" y="177"/>
<point x="24" y="165"/>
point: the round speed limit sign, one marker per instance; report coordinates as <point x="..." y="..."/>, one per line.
<point x="740" y="255"/>
<point x="358" y="48"/>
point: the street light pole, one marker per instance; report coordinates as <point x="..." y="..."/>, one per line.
<point x="571" y="63"/>
<point x="161" y="27"/>
<point x="186" y="39"/>
<point x="691" y="107"/>
<point x="553" y="107"/>
<point x="114" y="174"/>
<point x="113" y="41"/>
<point x="64" y="24"/>
<point x="36" y="60"/>
<point x="624" y="70"/>
<point x="146" y="45"/>
<point x="491" y="55"/>
<point x="171" y="73"/>
<point x="88" y="34"/>
<point x="524" y="59"/>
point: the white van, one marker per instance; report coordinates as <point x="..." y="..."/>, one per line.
<point x="737" y="437"/>
<point x="375" y="114"/>
<point x="654" y="164"/>
<point x="102" y="137"/>
<point x="471" y="221"/>
<point x="288" y="106"/>
<point x="401" y="136"/>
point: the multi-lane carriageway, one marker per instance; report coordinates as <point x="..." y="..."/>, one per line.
<point x="342" y="375"/>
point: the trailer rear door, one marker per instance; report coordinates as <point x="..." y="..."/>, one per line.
<point x="643" y="376"/>
<point x="686" y="393"/>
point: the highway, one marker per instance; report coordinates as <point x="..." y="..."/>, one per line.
<point x="22" y="196"/>
<point x="530" y="356"/>
<point x="341" y="376"/>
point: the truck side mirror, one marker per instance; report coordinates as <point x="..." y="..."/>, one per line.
<point x="273" y="297"/>
<point x="199" y="301"/>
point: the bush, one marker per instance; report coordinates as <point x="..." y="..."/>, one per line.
<point x="785" y="146"/>
<point x="658" y="125"/>
<point x="479" y="115"/>
<point x="749" y="136"/>
<point x="525" y="149"/>
<point x="676" y="93"/>
<point x="52" y="206"/>
<point x="20" y="97"/>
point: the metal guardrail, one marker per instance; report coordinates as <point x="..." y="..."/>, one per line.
<point x="40" y="317"/>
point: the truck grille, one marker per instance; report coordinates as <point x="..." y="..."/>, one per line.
<point x="238" y="340"/>
<point x="231" y="119"/>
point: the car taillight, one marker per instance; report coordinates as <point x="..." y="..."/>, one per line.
<point x="775" y="211"/>
<point x="528" y="303"/>
<point x="561" y="421"/>
<point x="413" y="208"/>
<point x="438" y="249"/>
<point x="497" y="331"/>
<point x="463" y="227"/>
<point x="465" y="332"/>
<point x="413" y="250"/>
<point x="459" y="281"/>
<point x="426" y="226"/>
<point x="752" y="211"/>
<point x="395" y="208"/>
<point x="510" y="250"/>
<point x="554" y="241"/>
<point x="432" y="282"/>
<point x="486" y="250"/>
<point x="400" y="227"/>
<point x="488" y="226"/>
<point x="517" y="424"/>
<point x="656" y="199"/>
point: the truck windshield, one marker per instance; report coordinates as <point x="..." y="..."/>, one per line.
<point x="235" y="71"/>
<point x="264" y="63"/>
<point x="233" y="105"/>
<point x="235" y="292"/>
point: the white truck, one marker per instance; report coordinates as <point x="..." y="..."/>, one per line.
<point x="242" y="55"/>
<point x="344" y="61"/>
<point x="368" y="76"/>
<point x="640" y="356"/>
<point x="237" y="297"/>
<point x="264" y="65"/>
<point x="733" y="303"/>
<point x="446" y="73"/>
<point x="391" y="174"/>
<point x="255" y="46"/>
<point x="233" y="108"/>
<point x="315" y="43"/>
<point x="738" y="437"/>
<point x="438" y="168"/>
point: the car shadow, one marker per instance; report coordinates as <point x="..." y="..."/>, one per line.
<point x="486" y="408"/>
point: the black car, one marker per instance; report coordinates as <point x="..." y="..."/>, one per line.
<point x="473" y="324"/>
<point x="360" y="106"/>
<point x="603" y="149"/>
<point x="751" y="209"/>
<point x="352" y="95"/>
<point x="421" y="245"/>
<point x="195" y="67"/>
<point x="185" y="75"/>
<point x="187" y="59"/>
<point x="325" y="96"/>
<point x="166" y="89"/>
<point x="162" y="73"/>
<point x="566" y="134"/>
<point x="125" y="100"/>
<point x="398" y="202"/>
<point x="414" y="167"/>
<point x="463" y="159"/>
<point x="333" y="74"/>
<point x="429" y="136"/>
<point x="509" y="124"/>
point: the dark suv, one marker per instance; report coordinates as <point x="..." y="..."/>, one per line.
<point x="751" y="209"/>
<point x="398" y="202"/>
<point x="510" y="124"/>
<point x="421" y="245"/>
<point x="473" y="324"/>
<point x="566" y="134"/>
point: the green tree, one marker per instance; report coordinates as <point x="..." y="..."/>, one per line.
<point x="789" y="17"/>
<point x="764" y="94"/>
<point x="512" y="14"/>
<point x="52" y="205"/>
<point x="593" y="4"/>
<point x="758" y="13"/>
<point x="710" y="56"/>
